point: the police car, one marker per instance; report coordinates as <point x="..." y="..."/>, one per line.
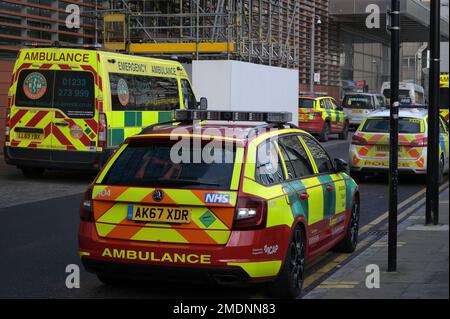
<point x="322" y="116"/>
<point x="226" y="203"/>
<point x="369" y="149"/>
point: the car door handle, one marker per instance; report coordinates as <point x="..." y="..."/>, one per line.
<point x="329" y="188"/>
<point x="304" y="196"/>
<point x="62" y="124"/>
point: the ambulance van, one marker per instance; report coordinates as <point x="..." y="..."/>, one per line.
<point x="71" y="108"/>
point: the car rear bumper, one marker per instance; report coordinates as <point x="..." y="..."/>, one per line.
<point x="55" y="159"/>
<point x="314" y="126"/>
<point x="246" y="257"/>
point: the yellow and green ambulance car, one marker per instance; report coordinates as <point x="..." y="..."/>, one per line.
<point x="70" y="108"/>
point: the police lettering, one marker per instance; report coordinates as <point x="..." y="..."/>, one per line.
<point x="152" y="256"/>
<point x="133" y="67"/>
<point x="57" y="56"/>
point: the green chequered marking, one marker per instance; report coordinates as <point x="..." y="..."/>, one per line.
<point x="329" y="198"/>
<point x="139" y="119"/>
<point x="165" y="116"/>
<point x="350" y="188"/>
<point x="130" y="119"/>
<point x="87" y="131"/>
<point x="338" y="118"/>
<point x="117" y="136"/>
<point x="207" y="219"/>
<point x="298" y="207"/>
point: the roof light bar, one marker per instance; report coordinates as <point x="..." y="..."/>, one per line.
<point x="241" y="116"/>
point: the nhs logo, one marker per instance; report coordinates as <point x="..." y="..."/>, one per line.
<point x="217" y="198"/>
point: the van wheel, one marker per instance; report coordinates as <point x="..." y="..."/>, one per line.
<point x="289" y="282"/>
<point x="349" y="242"/>
<point x="323" y="137"/>
<point x="344" y="134"/>
<point x="32" y="172"/>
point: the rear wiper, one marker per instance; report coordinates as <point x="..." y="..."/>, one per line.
<point x="186" y="182"/>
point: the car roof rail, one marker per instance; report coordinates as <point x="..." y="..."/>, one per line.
<point x="152" y="127"/>
<point x="254" y="131"/>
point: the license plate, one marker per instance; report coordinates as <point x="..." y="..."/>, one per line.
<point x="382" y="148"/>
<point x="29" y="136"/>
<point x="159" y="214"/>
<point x="357" y="111"/>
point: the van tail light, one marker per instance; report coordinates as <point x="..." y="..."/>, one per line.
<point x="102" y="131"/>
<point x="358" y="140"/>
<point x="421" y="142"/>
<point x="7" y="125"/>
<point x="250" y="213"/>
<point x="87" y="208"/>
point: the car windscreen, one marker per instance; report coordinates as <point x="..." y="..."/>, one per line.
<point x="173" y="165"/>
<point x="69" y="91"/>
<point x="381" y="125"/>
<point x="358" y="102"/>
<point x="305" y="103"/>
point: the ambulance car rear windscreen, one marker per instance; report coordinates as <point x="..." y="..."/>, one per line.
<point x="172" y="165"/>
<point x="72" y="92"/>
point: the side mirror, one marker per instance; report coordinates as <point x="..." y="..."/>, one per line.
<point x="341" y="165"/>
<point x="203" y="104"/>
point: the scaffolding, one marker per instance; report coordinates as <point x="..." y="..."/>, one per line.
<point x="271" y="32"/>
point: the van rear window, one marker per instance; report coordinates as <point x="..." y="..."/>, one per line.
<point x="162" y="164"/>
<point x="69" y="91"/>
<point x="358" y="102"/>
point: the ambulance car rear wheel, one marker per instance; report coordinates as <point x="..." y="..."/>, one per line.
<point x="344" y="134"/>
<point x="441" y="170"/>
<point x="32" y="172"/>
<point x="349" y="242"/>
<point x="289" y="282"/>
<point x="110" y="280"/>
<point x="323" y="137"/>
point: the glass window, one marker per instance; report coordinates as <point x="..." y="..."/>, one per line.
<point x="295" y="157"/>
<point x="156" y="93"/>
<point x="269" y="169"/>
<point x="190" y="102"/>
<point x="355" y="101"/>
<point x="74" y="93"/>
<point x="321" y="157"/>
<point x="70" y="91"/>
<point x="152" y="164"/>
<point x="324" y="104"/>
<point x="381" y="125"/>
<point x="306" y="103"/>
<point x="122" y="92"/>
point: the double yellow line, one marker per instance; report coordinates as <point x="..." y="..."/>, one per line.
<point x="316" y="275"/>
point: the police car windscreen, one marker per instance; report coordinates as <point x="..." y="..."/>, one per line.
<point x="305" y="103"/>
<point x="173" y="165"/>
<point x="357" y="102"/>
<point x="381" y="125"/>
<point x="72" y="92"/>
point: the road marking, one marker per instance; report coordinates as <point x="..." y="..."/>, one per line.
<point x="365" y="243"/>
<point x="385" y="243"/>
<point x="338" y="284"/>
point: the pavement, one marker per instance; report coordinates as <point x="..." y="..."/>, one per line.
<point x="422" y="267"/>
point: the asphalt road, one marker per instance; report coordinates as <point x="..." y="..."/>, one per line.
<point x="39" y="239"/>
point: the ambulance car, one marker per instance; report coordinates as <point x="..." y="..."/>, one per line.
<point x="70" y="108"/>
<point x="322" y="116"/>
<point x="221" y="203"/>
<point x="369" y="149"/>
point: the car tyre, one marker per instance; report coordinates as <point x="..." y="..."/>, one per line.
<point x="32" y="172"/>
<point x="357" y="176"/>
<point x="324" y="136"/>
<point x="289" y="282"/>
<point x="344" y="134"/>
<point x="350" y="241"/>
<point x="441" y="170"/>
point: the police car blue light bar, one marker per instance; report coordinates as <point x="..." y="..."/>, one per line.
<point x="241" y="116"/>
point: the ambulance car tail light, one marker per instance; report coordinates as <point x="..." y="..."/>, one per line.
<point x="102" y="131"/>
<point x="250" y="213"/>
<point x="358" y="140"/>
<point x="87" y="209"/>
<point x="421" y="142"/>
<point x="7" y="129"/>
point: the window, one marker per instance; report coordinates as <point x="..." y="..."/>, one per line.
<point x="306" y="103"/>
<point x="381" y="125"/>
<point x="190" y="102"/>
<point x="332" y="104"/>
<point x="70" y="91"/>
<point x="324" y="104"/>
<point x="143" y="93"/>
<point x="269" y="169"/>
<point x="318" y="153"/>
<point x="151" y="164"/>
<point x="295" y="157"/>
<point x="355" y="101"/>
<point x="381" y="101"/>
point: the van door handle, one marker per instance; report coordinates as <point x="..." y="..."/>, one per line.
<point x="62" y="124"/>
